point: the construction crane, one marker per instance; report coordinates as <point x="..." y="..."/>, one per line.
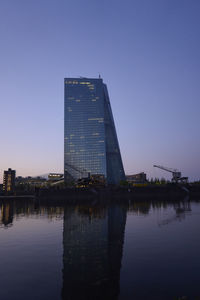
<point x="176" y="175"/>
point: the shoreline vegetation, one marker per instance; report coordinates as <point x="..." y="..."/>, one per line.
<point x="116" y="193"/>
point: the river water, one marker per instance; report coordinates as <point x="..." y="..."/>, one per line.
<point x="141" y="250"/>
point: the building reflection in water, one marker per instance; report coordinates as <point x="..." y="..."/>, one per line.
<point x="93" y="243"/>
<point x="11" y="210"/>
<point x="6" y="214"/>
<point x="93" y="238"/>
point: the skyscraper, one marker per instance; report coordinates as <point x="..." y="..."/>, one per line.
<point x="90" y="139"/>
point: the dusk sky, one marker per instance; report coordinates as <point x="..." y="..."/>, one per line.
<point x="148" y="54"/>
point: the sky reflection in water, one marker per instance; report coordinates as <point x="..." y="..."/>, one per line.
<point x="144" y="250"/>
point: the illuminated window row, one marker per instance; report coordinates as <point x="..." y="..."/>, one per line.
<point x="85" y="82"/>
<point x="95" y="119"/>
<point x="71" y="82"/>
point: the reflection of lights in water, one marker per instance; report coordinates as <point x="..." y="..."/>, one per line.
<point x="15" y="210"/>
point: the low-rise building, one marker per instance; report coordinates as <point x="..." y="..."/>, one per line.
<point x="55" y="176"/>
<point x="137" y="178"/>
<point x="29" y="182"/>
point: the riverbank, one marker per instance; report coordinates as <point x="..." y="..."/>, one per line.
<point x="171" y="191"/>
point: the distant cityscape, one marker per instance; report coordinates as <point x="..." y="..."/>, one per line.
<point x="11" y="183"/>
<point x="91" y="150"/>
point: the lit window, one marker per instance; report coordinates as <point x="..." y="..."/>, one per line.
<point x="96" y="119"/>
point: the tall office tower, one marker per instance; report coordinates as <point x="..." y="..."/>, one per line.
<point x="93" y="239"/>
<point x="90" y="145"/>
<point x="9" y="180"/>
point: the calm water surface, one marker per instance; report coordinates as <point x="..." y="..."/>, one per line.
<point x="144" y="250"/>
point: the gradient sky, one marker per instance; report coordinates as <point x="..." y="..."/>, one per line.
<point x="147" y="52"/>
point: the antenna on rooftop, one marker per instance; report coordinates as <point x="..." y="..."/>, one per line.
<point x="99" y="76"/>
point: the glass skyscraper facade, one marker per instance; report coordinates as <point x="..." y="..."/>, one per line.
<point x="90" y="139"/>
